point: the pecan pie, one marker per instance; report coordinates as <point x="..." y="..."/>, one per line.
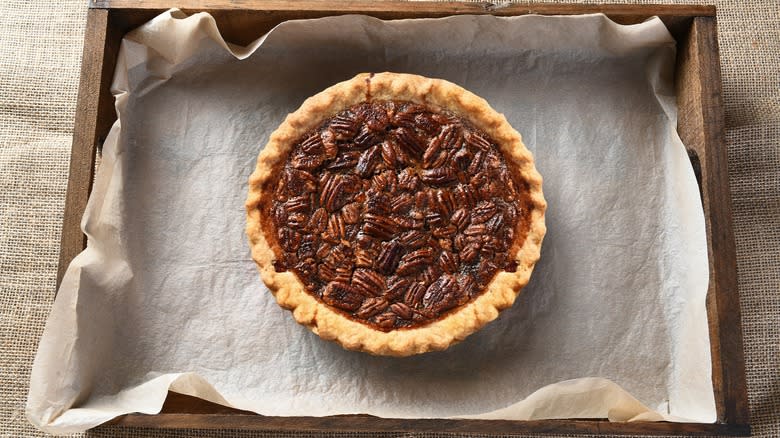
<point x="395" y="214"/>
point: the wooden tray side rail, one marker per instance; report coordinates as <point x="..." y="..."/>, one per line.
<point x="700" y="126"/>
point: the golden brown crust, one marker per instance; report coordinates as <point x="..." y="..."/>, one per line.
<point x="332" y="325"/>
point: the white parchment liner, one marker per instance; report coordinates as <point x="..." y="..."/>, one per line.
<point x="166" y="296"/>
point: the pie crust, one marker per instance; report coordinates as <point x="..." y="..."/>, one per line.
<point x="333" y="324"/>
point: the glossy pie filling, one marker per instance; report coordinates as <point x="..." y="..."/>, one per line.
<point x="396" y="213"/>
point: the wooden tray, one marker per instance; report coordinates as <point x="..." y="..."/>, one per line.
<point x="700" y="126"/>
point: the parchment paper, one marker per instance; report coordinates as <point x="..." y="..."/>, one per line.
<point x="166" y="295"/>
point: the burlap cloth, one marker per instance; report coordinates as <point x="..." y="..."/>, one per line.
<point x="40" y="52"/>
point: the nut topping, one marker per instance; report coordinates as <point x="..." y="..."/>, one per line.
<point x="395" y="213"/>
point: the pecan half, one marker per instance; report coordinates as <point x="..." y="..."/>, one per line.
<point x="289" y="239"/>
<point x="496" y="223"/>
<point x="442" y="295"/>
<point x="483" y="212"/>
<point x="478" y="141"/>
<point x="334" y="195"/>
<point x="345" y="160"/>
<point x="460" y="219"/>
<point x="415" y="294"/>
<point x="380" y="227"/>
<point x="439" y="176"/>
<point x="397" y="288"/>
<point x="414" y="239"/>
<point x="368" y="281"/>
<point x="389" y="257"/>
<point x="351" y="213"/>
<point x="336" y="230"/>
<point x="344" y="126"/>
<point x="342" y="295"/>
<point x="371" y="307"/>
<point x="469" y="253"/>
<point x="318" y="221"/>
<point x="364" y="258"/>
<point x="312" y="144"/>
<point x="386" y="321"/>
<point x="366" y="137"/>
<point x="408" y="180"/>
<point x="415" y="261"/>
<point x="307" y="162"/>
<point x="368" y="161"/>
<point x="449" y="262"/>
<point x="408" y="140"/>
<point x="402" y="310"/>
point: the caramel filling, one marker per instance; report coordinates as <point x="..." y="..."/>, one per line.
<point x="396" y="213"/>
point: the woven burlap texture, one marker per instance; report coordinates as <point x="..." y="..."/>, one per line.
<point x="40" y="52"/>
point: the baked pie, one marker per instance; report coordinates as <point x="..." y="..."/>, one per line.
<point x="395" y="214"/>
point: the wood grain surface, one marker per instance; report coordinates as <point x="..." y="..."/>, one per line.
<point x="94" y="117"/>
<point x="700" y="126"/>
<point x="405" y="9"/>
<point x="181" y="411"/>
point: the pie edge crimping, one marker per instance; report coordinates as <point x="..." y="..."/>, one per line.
<point x="332" y="325"/>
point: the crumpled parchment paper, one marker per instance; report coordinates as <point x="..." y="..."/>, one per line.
<point x="166" y="296"/>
